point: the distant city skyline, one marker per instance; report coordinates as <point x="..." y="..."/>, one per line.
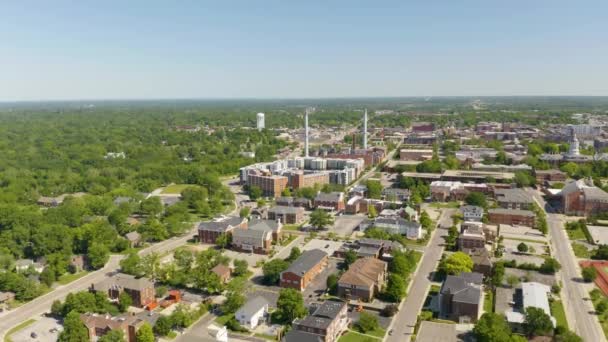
<point x="300" y="50"/>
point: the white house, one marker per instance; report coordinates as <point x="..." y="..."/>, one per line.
<point x="254" y="311"/>
<point x="23" y="265"/>
<point x="472" y="213"/>
<point x="398" y="225"/>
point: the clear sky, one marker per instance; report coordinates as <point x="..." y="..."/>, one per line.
<point x="52" y="50"/>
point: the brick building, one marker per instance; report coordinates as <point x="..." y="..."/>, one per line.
<point x="330" y="201"/>
<point x="543" y="176"/>
<point x="252" y="241"/>
<point x="364" y="278"/>
<point x="582" y="198"/>
<point x="208" y="232"/>
<point x="271" y="185"/>
<point x="141" y="290"/>
<point x="286" y="215"/>
<point x="326" y="324"/>
<point x="416" y="155"/>
<point x="512" y="217"/>
<point x="460" y="297"/>
<point x="304" y="269"/>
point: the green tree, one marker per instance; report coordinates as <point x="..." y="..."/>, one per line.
<point x="349" y="257"/>
<point x="522" y="247"/>
<point x="131" y="264"/>
<point x="124" y="301"/>
<point x="332" y="283"/>
<point x="223" y="240"/>
<point x="395" y="288"/>
<point x="371" y="211"/>
<point x="233" y="302"/>
<point x="374" y="188"/>
<point x="293" y="254"/>
<point x="113" y="336"/>
<point x="537" y="322"/>
<point x="492" y="327"/>
<point x="477" y="199"/>
<point x="367" y="322"/>
<point x="321" y="219"/>
<point x="498" y="273"/>
<point x="291" y="305"/>
<point x="456" y="263"/>
<point x="272" y="270"/>
<point x="244" y="212"/>
<point x="163" y="325"/>
<point x="151" y="206"/>
<point x="47" y="277"/>
<point x="255" y="192"/>
<point x="550" y="266"/>
<point x="589" y="274"/>
<point x="145" y="333"/>
<point x="240" y="267"/>
<point x="570" y="168"/>
<point x="98" y="255"/>
<point x="73" y="329"/>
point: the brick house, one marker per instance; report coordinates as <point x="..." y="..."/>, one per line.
<point x="482" y="261"/>
<point x="304" y="269"/>
<point x="582" y="198"/>
<point x="326" y="324"/>
<point x="330" y="201"/>
<point x="512" y="217"/>
<point x="460" y="297"/>
<point x="274" y="226"/>
<point x="141" y="290"/>
<point x="471" y="237"/>
<point x="543" y="176"/>
<point x="286" y="215"/>
<point x="364" y="278"/>
<point x="223" y="272"/>
<point x="98" y="325"/>
<point x="208" y="232"/>
<point x="251" y="240"/>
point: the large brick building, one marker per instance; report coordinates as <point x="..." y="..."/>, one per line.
<point x="252" y="241"/>
<point x="286" y="215"/>
<point x="141" y="290"/>
<point x="364" y="278"/>
<point x="271" y="185"/>
<point x="512" y="217"/>
<point x="304" y="269"/>
<point x="543" y="176"/>
<point x="208" y="232"/>
<point x="513" y="199"/>
<point x="582" y="198"/>
<point x="330" y="201"/>
<point x="326" y="324"/>
<point x="460" y="297"/>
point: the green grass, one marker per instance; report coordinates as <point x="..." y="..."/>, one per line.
<point x="176" y="188"/>
<point x="596" y="297"/>
<point x="581" y="251"/>
<point x="221" y="320"/>
<point x="266" y="337"/>
<point x="435" y="288"/>
<point x="353" y="336"/>
<point x="576" y="234"/>
<point x="377" y="332"/>
<point x="557" y="311"/>
<point x="292" y="227"/>
<point x="526" y="240"/>
<point x="171" y="335"/>
<point x="70" y="277"/>
<point x="453" y="204"/>
<point x="20" y="326"/>
<point x="488" y="301"/>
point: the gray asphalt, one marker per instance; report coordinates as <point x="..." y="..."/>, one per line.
<point x="403" y="323"/>
<point x="579" y="310"/>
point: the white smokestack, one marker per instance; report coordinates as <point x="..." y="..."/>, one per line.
<point x="306" y="132"/>
<point x="365" y="130"/>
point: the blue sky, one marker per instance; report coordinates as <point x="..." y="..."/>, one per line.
<point x="51" y="50"/>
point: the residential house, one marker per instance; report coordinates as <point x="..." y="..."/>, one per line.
<point x="286" y="215"/>
<point x="328" y="322"/>
<point x="512" y="217"/>
<point x="251" y="240"/>
<point x="532" y="294"/>
<point x="252" y="313"/>
<point x="482" y="260"/>
<point x="472" y="237"/>
<point x="98" y="325"/>
<point x="398" y="225"/>
<point x="208" y="232"/>
<point x="23" y="265"/>
<point x="304" y="269"/>
<point x="364" y="278"/>
<point x="353" y="206"/>
<point x="460" y="297"/>
<point x="274" y="226"/>
<point x="472" y="213"/>
<point x="396" y="194"/>
<point x="223" y="272"/>
<point x="134" y="239"/>
<point x="141" y="290"/>
<point x="513" y="199"/>
<point x="330" y="201"/>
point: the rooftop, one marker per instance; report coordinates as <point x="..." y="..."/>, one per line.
<point x="306" y="261"/>
<point x="518" y="212"/>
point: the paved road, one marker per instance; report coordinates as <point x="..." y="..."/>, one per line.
<point x="403" y="323"/>
<point x="579" y="311"/>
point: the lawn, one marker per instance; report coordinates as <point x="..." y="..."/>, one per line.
<point x="488" y="300"/>
<point x="221" y="320"/>
<point x="557" y="311"/>
<point x="292" y="227"/>
<point x="576" y="234"/>
<point x="22" y="325"/>
<point x="581" y="251"/>
<point x="526" y="240"/>
<point x="353" y="336"/>
<point x="453" y="204"/>
<point x="596" y="296"/>
<point x="176" y="188"/>
<point x="70" y="277"/>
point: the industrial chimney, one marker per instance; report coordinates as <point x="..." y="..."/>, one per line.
<point x="365" y="130"/>
<point x="308" y="111"/>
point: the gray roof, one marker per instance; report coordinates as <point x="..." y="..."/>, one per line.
<point x="125" y="281"/>
<point x="395" y="221"/>
<point x="465" y="288"/>
<point x="253" y="305"/>
<point x="511" y="212"/>
<point x="329" y="197"/>
<point x="250" y="233"/>
<point x="220" y="226"/>
<point x="512" y="196"/>
<point x="472" y="210"/>
<point x="323" y="316"/>
<point x="306" y="261"/>
<point x="281" y="209"/>
<point x="270" y="225"/>
<point x="302" y="336"/>
<point x="595" y="193"/>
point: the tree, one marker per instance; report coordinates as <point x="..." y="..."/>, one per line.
<point x="451" y="238"/>
<point x="456" y="263"/>
<point x="240" y="267"/>
<point x="498" y="274"/>
<point x="589" y="274"/>
<point x="371" y="211"/>
<point x="255" y="192"/>
<point x="395" y="289"/>
<point x="286" y="192"/>
<point x="151" y="206"/>
<point x="523" y="179"/>
<point x="291" y="305"/>
<point x="389" y="310"/>
<point x="47" y="277"/>
<point x="233" y="302"/>
<point x="477" y="199"/>
<point x="293" y="254"/>
<point x="124" y="301"/>
<point x="332" y="283"/>
<point x="549" y="266"/>
<point x="244" y="212"/>
<point x="522" y="247"/>
<point x="223" y="240"/>
<point x="272" y="270"/>
<point x="425" y="220"/>
<point x="321" y="219"/>
<point x="163" y="325"/>
<point x="402" y="263"/>
<point x="145" y="334"/>
<point x="374" y="188"/>
<point x="131" y="264"/>
<point x="73" y="329"/>
<point x="512" y="280"/>
<point x="492" y="327"/>
<point x="567" y="336"/>
<point x="349" y="257"/>
<point x="537" y="322"/>
<point x="113" y="336"/>
<point x="98" y="255"/>
<point x="367" y="322"/>
<point x="602" y="306"/>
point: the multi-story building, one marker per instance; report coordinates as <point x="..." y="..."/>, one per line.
<point x="286" y="215"/>
<point x="415" y="154"/>
<point x="472" y="213"/>
<point x="141" y="290"/>
<point x="364" y="278"/>
<point x="581" y="197"/>
<point x="512" y="217"/>
<point x="252" y="241"/>
<point x="460" y="297"/>
<point x="543" y="176"/>
<point x="513" y="199"/>
<point x="471" y="237"/>
<point x="330" y="201"/>
<point x="304" y="269"/>
<point x="208" y="232"/>
<point x="271" y="185"/>
<point x="326" y="324"/>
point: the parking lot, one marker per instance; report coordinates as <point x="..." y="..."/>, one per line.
<point x="345" y="225"/>
<point x="318" y="286"/>
<point x="46" y="329"/>
<point x="599" y="234"/>
<point x="521" y="232"/>
<point x="325" y="245"/>
<point x="533" y="248"/>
